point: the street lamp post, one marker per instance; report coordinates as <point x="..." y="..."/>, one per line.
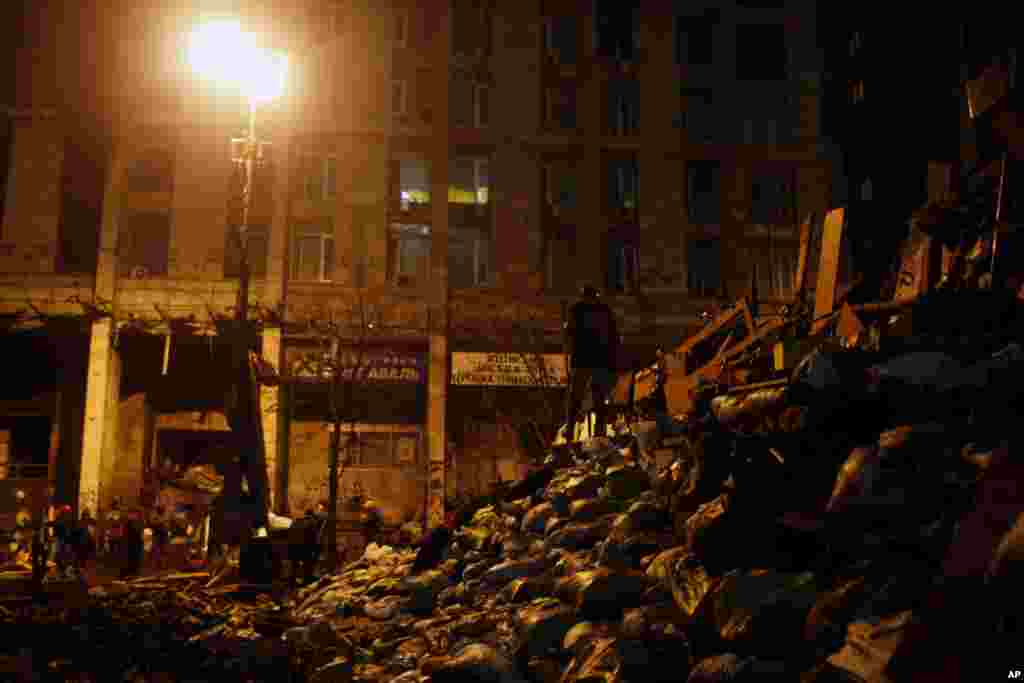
<point x="220" y="51"/>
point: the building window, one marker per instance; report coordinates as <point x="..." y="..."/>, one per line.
<point x="319" y="178"/>
<point x="760" y="130"/>
<point x="694" y="41"/>
<point x="559" y="189"/>
<point x="561" y="107"/>
<point x="615" y="24"/>
<point x="462" y="102"/>
<point x="771" y="200"/>
<point x="561" y="39"/>
<point x="624" y="107"/>
<point x="623" y="265"/>
<point x="698" y="117"/>
<point x="704" y="259"/>
<point x="856" y="43"/>
<point x="481" y="105"/>
<point x="399" y="97"/>
<point x="866" y="190"/>
<point x="151" y="172"/>
<point x="313" y="252"/>
<point x="471" y="27"/>
<point x="413" y="183"/>
<point x="409" y="253"/>
<point x="761" y="52"/>
<point x="703" y="191"/>
<point x="469" y="181"/>
<point x="624" y="183"/>
<point x="143" y="243"/>
<point x="857" y="92"/>
<point x="401" y="27"/>
<point x="469" y="257"/>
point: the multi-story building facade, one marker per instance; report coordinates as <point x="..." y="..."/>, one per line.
<point x="440" y="177"/>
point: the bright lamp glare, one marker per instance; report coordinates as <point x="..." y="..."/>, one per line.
<point x="223" y="53"/>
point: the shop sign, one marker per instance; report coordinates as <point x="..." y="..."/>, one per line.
<point x="368" y="365"/>
<point x="508" y="369"/>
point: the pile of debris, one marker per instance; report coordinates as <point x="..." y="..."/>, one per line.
<point x="845" y="526"/>
<point x="168" y="628"/>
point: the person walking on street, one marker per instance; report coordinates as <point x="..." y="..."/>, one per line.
<point x="158" y="523"/>
<point x="114" y="531"/>
<point x="593" y="340"/>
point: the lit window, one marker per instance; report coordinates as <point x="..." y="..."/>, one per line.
<point x="414" y="182"/>
<point x="469" y="182"/>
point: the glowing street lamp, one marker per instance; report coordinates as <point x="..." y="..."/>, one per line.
<point x="221" y="52"/>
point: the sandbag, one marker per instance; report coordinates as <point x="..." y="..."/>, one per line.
<point x="591" y="509"/>
<point x="762" y="612"/>
<point x="528" y="589"/>
<point x="870" y="646"/>
<point x="500" y="574"/>
<point x="537" y="518"/>
<point x="625" y="482"/>
<point x="579" y="536"/>
<point x="542" y="625"/>
<point x="474" y="662"/>
<point x="601" y="593"/>
<point x="681" y="573"/>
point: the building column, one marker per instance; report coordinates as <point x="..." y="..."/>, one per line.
<point x="270" y="409"/>
<point x="275" y="296"/>
<point x="103" y="367"/>
<point x="437" y="433"/>
<point x="99" y="431"/>
<point x="437" y="295"/>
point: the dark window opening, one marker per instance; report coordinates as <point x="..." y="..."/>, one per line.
<point x="699" y="118"/>
<point x="561" y="107"/>
<point x="29" y="439"/>
<point x="80" y="211"/>
<point x="615" y="24"/>
<point x="771" y="200"/>
<point x="623" y="264"/>
<point x="561" y="39"/>
<point x="143" y="243"/>
<point x="704" y="260"/>
<point x="703" y="191"/>
<point x="623" y="108"/>
<point x="471" y="27"/>
<point x="624" y="183"/>
<point x="694" y="41"/>
<point x="761" y="52"/>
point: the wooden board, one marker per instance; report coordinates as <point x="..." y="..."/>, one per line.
<point x="828" y="271"/>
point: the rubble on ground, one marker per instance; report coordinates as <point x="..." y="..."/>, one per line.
<point x="799" y="534"/>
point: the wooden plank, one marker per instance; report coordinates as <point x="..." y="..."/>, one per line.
<point x="828" y="271"/>
<point x="800" y="285"/>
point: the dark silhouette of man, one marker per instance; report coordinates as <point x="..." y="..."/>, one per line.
<point x="593" y="339"/>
